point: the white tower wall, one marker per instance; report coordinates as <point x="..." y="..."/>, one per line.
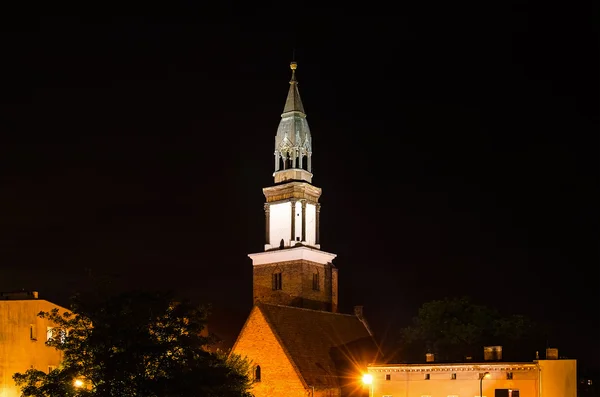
<point x="280" y="224"/>
<point x="311" y="224"/>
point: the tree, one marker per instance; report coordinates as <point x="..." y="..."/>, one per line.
<point x="453" y="329"/>
<point x="135" y="344"/>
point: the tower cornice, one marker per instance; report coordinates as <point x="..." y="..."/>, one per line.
<point x="292" y="190"/>
<point x="296" y="253"/>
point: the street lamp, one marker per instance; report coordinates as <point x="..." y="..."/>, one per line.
<point x="368" y="380"/>
<point x="78" y="383"/>
<point x="484" y="375"/>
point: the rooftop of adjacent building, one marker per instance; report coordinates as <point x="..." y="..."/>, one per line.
<point x="19" y="295"/>
<point x="480" y="365"/>
<point x="492" y="357"/>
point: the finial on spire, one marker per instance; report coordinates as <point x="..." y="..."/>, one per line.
<point x="293" y="66"/>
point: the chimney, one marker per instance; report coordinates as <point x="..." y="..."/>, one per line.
<point x="492" y="353"/>
<point x="35" y="294"/>
<point x="551" y="353"/>
<point x="429" y="357"/>
<point x="358" y="312"/>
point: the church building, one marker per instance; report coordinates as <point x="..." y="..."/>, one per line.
<point x="297" y="341"/>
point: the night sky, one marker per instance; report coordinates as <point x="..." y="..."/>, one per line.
<point x="456" y="148"/>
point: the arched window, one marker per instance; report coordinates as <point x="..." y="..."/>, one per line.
<point x="316" y="281"/>
<point x="257" y="373"/>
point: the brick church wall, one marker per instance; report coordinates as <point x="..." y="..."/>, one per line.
<point x="278" y="375"/>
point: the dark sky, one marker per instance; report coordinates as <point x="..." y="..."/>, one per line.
<point x="456" y="148"/>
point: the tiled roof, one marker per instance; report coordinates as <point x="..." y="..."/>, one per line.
<point x="329" y="349"/>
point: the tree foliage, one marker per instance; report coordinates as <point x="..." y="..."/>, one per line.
<point x="456" y="328"/>
<point x="136" y="344"/>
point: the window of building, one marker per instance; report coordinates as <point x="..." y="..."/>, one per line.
<point x="257" y="373"/>
<point x="57" y="333"/>
<point x="506" y="393"/>
<point x="388" y="376"/>
<point x="453" y="376"/>
<point x="509" y="375"/>
<point x="316" y="283"/>
<point x="32" y="332"/>
<point x="427" y="377"/>
<point x="277" y="281"/>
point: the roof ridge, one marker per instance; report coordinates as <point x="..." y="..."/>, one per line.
<point x="310" y="310"/>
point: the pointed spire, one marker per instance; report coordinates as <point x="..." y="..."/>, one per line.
<point x="293" y="142"/>
<point x="293" y="103"/>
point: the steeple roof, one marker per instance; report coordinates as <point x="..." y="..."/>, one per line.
<point x="293" y="103"/>
<point x="293" y="142"/>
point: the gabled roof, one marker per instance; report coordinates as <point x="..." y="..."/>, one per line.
<point x="325" y="347"/>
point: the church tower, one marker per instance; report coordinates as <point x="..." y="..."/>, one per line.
<point x="292" y="270"/>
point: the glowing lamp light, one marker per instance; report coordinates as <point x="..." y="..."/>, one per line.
<point x="367" y="379"/>
<point x="78" y="383"/>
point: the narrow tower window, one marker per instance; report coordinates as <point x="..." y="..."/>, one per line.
<point x="276" y="281"/>
<point x="316" y="284"/>
<point x="257" y="373"/>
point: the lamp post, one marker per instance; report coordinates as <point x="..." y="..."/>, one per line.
<point x="368" y="380"/>
<point x="484" y="375"/>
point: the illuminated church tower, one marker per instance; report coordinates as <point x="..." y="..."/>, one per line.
<point x="293" y="271"/>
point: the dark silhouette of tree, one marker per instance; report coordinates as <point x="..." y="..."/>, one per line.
<point x="454" y="329"/>
<point x="135" y="344"/>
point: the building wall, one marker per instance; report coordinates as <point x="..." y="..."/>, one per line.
<point x="298" y="222"/>
<point x="280" y="224"/>
<point x="278" y="376"/>
<point x="22" y="341"/>
<point x="311" y="224"/>
<point x="542" y="378"/>
<point x="558" y="378"/>
<point x="414" y="384"/>
<point x="297" y="284"/>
